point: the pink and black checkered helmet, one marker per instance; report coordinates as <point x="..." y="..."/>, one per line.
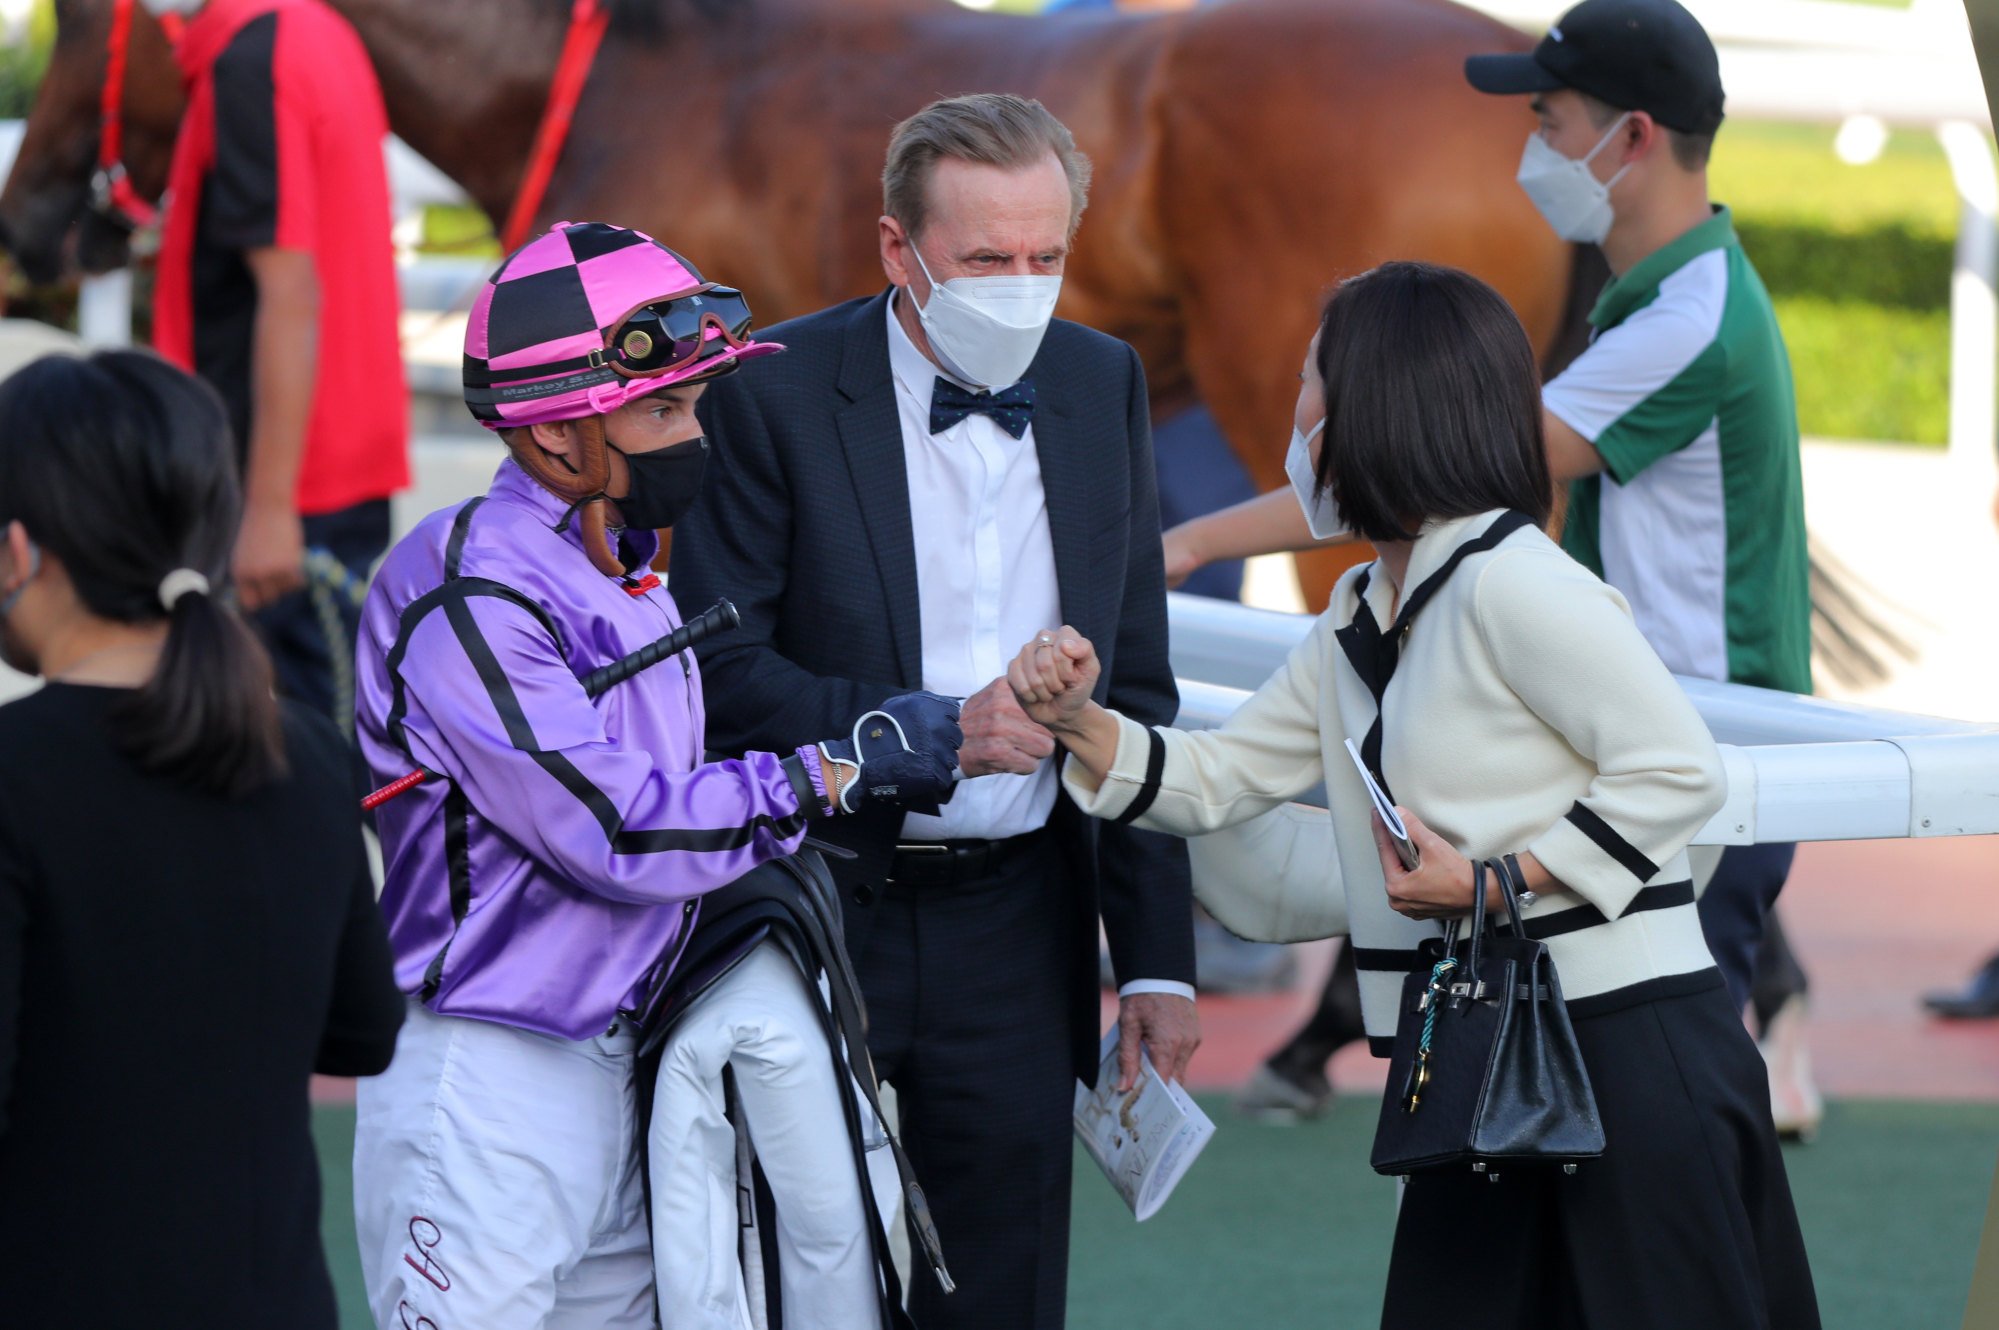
<point x="587" y="316"/>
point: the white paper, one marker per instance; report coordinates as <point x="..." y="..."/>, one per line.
<point x="1146" y="1139"/>
<point x="1405" y="849"/>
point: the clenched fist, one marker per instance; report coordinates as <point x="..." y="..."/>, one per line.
<point x="1053" y="676"/>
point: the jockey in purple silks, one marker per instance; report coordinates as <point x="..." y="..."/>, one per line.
<point x="544" y="876"/>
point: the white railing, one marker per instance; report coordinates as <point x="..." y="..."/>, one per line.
<point x="1799" y="768"/>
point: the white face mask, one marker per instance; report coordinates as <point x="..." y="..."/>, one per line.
<point x="1322" y="517"/>
<point x="985" y="330"/>
<point x="1566" y="191"/>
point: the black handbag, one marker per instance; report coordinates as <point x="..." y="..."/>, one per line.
<point x="1486" y="1072"/>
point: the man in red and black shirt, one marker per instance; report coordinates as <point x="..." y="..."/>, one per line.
<point x="277" y="285"/>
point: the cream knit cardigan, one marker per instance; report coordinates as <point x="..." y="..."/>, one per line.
<point x="1526" y="713"/>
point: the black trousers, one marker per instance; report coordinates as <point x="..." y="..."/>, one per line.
<point x="1685" y="1223"/>
<point x="1334" y="1023"/>
<point x="310" y="633"/>
<point x="1735" y="905"/>
<point x="967" y="987"/>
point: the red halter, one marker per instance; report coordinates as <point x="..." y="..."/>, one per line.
<point x="111" y="192"/>
<point x="587" y="21"/>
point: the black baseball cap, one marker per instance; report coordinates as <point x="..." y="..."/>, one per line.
<point x="1637" y="55"/>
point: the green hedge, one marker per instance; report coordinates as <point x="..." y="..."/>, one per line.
<point x="1894" y="266"/>
<point x="1868" y="371"/>
<point x="1858" y="261"/>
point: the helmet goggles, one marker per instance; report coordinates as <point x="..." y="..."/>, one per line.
<point x="664" y="335"/>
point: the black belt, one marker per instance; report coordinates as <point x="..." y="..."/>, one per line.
<point x="947" y="863"/>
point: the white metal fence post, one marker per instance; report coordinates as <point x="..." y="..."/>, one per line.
<point x="1974" y="306"/>
<point x="104" y="309"/>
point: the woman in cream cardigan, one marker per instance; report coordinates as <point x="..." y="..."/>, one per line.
<point x="1505" y="698"/>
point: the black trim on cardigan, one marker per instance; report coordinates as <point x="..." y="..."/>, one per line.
<point x="1664" y="896"/>
<point x="1374" y="655"/>
<point x="1603" y="1004"/>
<point x="1585" y="820"/>
<point x="1155" y="769"/>
<point x="1397" y="959"/>
<point x="1645" y="990"/>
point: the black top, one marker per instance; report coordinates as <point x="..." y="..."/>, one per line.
<point x="173" y="967"/>
<point x="239" y="206"/>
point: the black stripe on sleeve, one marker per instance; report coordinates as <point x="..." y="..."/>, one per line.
<point x="1155" y="767"/>
<point x="1612" y="844"/>
<point x="240" y="198"/>
<point x="809" y="802"/>
<point x="659" y="840"/>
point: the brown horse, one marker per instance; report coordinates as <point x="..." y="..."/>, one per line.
<point x="1248" y="154"/>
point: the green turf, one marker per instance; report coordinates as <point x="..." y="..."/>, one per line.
<point x="1278" y="1227"/>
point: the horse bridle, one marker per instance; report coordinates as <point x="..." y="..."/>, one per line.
<point x="111" y="194"/>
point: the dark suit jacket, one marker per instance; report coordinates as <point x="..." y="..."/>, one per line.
<point x="804" y="523"/>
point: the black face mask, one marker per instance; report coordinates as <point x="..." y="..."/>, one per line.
<point x="664" y="483"/>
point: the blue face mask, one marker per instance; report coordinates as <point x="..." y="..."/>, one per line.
<point x="13" y="597"/>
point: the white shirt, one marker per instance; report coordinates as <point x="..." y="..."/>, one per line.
<point x="985" y="580"/>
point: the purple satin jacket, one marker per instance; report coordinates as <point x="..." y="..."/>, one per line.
<point x="546" y="875"/>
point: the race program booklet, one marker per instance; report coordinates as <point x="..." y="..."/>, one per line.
<point x="1146" y="1139"/>
<point x="1405" y="848"/>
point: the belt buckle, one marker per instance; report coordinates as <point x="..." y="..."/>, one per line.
<point x="925" y="851"/>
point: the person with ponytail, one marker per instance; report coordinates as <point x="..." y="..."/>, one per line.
<point x="188" y="926"/>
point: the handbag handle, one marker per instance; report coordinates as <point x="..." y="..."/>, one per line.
<point x="1506" y="875"/>
<point x="1478" y="920"/>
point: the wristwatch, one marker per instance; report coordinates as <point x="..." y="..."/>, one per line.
<point x="1525" y="896"/>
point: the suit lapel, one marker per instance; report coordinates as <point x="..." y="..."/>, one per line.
<point x="871" y="433"/>
<point x="1060" y="445"/>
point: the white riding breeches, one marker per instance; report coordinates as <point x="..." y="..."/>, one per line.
<point x="763" y="1020"/>
<point x="497" y="1184"/>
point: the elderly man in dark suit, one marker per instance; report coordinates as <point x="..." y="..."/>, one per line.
<point x="932" y="476"/>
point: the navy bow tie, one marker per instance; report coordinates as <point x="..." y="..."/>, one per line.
<point x="1012" y="410"/>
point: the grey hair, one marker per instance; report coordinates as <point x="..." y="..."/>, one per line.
<point x="991" y="128"/>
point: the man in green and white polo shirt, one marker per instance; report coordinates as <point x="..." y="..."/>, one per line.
<point x="1677" y="428"/>
<point x="1691" y="503"/>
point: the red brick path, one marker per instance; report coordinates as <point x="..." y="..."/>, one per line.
<point x="1875" y="922"/>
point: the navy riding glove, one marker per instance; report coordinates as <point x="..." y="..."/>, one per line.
<point x="905" y="751"/>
